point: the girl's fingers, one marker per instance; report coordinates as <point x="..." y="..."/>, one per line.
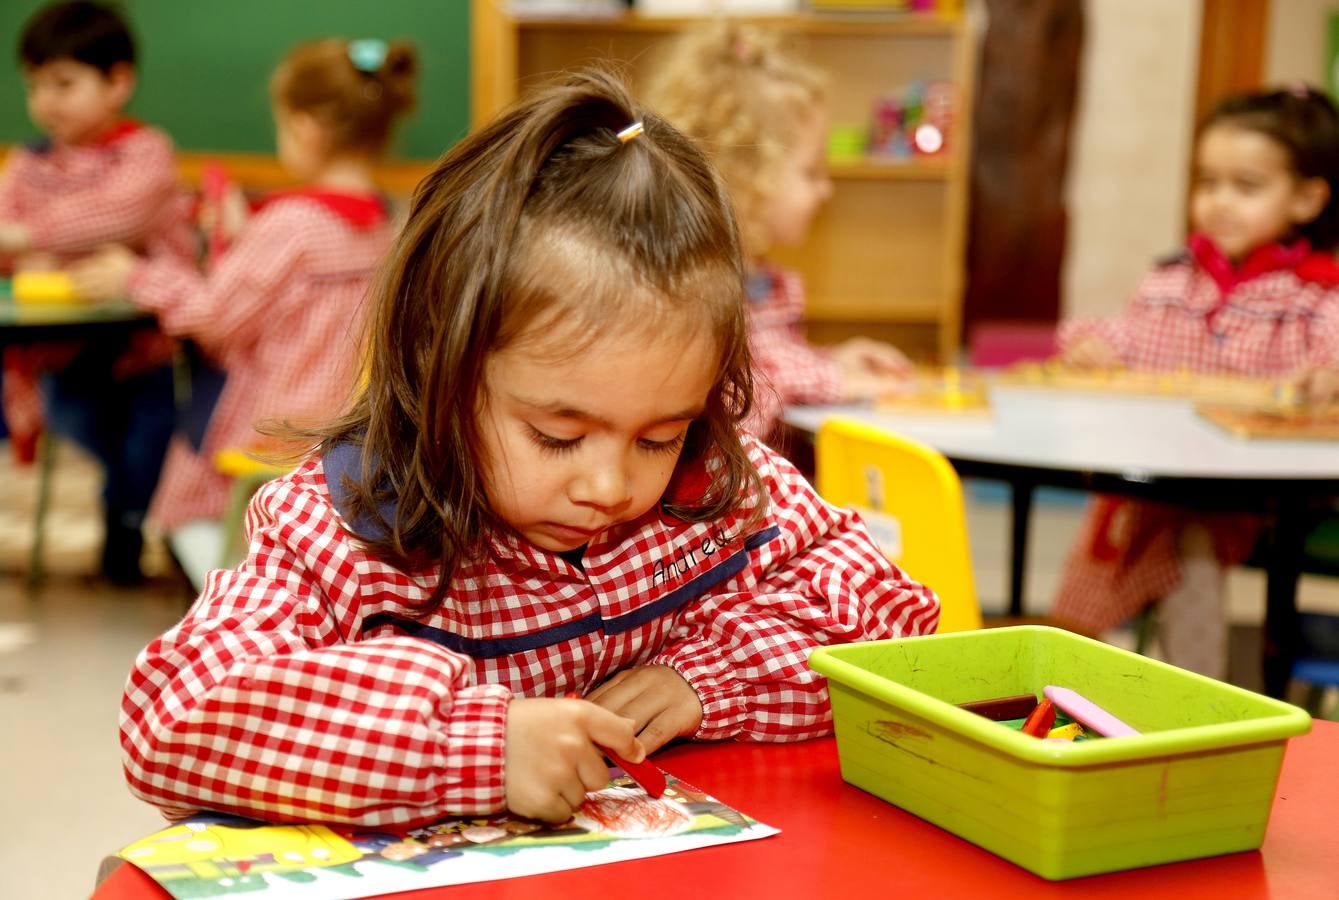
<point x="625" y="700"/>
<point x="616" y="733"/>
<point x="594" y="773"/>
<point x="660" y="731"/>
<point x="597" y="695"/>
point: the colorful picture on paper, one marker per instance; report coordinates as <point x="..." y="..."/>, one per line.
<point x="213" y="855"/>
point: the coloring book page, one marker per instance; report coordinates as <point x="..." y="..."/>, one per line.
<point x="214" y="855"/>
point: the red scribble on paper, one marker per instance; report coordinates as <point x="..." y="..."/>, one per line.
<point x="629" y="813"/>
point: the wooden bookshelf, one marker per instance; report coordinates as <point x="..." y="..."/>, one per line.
<point x="885" y="256"/>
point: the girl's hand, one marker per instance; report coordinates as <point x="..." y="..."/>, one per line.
<point x="553" y="754"/>
<point x="864" y="356"/>
<point x="104" y="275"/>
<point x="228" y="214"/>
<point x="1091" y="353"/>
<point x="14" y="238"/>
<point x="1316" y="387"/>
<point x="663" y="704"/>
<point x="863" y="386"/>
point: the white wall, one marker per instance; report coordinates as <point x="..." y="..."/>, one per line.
<point x="1130" y="147"/>
<point x="1295" y="42"/>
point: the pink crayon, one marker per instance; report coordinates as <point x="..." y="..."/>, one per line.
<point x="1086" y="712"/>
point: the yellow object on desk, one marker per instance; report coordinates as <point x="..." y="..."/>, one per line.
<point x="949" y="390"/>
<point x="43" y="287"/>
<point x="1226" y="389"/>
<point x="1281" y="422"/>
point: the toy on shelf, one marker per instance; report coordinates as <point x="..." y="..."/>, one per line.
<point x="916" y="122"/>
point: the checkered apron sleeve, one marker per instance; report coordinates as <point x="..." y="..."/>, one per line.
<point x="816" y="579"/>
<point x="254" y="704"/>
<point x="122" y="194"/>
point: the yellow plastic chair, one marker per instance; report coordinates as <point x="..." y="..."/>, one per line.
<point x="911" y="499"/>
<point x="248" y="474"/>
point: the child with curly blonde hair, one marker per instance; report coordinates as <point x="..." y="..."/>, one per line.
<point x="760" y="114"/>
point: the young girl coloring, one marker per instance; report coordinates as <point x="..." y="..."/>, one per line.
<point x="761" y="115"/>
<point x="542" y="491"/>
<point x="281" y="312"/>
<point x="1256" y="294"/>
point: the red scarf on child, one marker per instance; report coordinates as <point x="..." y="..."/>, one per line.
<point x="1298" y="257"/>
<point x="359" y="209"/>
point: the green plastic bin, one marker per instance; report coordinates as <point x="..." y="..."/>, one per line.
<point x="1198" y="781"/>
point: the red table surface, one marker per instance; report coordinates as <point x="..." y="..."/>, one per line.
<point x="838" y="841"/>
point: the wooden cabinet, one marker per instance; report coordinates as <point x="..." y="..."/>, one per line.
<point x="885" y="255"/>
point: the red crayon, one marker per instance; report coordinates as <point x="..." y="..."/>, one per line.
<point x="1001" y="709"/>
<point x="645" y="772"/>
<point x="1039" y="723"/>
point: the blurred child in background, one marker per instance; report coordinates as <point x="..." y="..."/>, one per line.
<point x="281" y="314"/>
<point x="760" y="115"/>
<point x="96" y="177"/>
<point x="1256" y="294"/>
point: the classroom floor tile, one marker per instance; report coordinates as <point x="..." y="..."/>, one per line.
<point x="66" y="648"/>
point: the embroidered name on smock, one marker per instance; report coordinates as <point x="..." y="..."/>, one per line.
<point x="686" y="556"/>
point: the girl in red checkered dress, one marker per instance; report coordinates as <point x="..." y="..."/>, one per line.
<point x="761" y="114"/>
<point x="1255" y="294"/>
<point x="542" y="491"/>
<point x="276" y="322"/>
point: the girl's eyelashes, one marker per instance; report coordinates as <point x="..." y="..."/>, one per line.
<point x="671" y="446"/>
<point x="556" y="445"/>
<point x="549" y="443"/>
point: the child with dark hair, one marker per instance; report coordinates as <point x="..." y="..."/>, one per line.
<point x="278" y="319"/>
<point x="96" y="177"/>
<point x="543" y="490"/>
<point x="1256" y="294"/>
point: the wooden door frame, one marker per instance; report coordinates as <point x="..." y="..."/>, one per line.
<point x="1232" y="50"/>
<point x="1232" y="61"/>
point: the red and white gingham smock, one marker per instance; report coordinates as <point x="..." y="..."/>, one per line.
<point x="298" y="687"/>
<point x="1276" y="314"/>
<point x="122" y="189"/>
<point x="282" y="314"/>
<point x="787" y="368"/>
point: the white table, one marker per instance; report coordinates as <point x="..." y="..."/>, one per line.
<point x="1153" y="447"/>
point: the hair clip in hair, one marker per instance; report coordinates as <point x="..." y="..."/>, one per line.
<point x="368" y="55"/>
<point x="630" y="132"/>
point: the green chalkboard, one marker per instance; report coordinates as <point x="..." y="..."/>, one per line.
<point x="204" y="65"/>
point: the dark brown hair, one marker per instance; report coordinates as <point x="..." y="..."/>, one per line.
<point x="357" y="105"/>
<point x="1303" y="121"/>
<point x="94" y="34"/>
<point x="461" y="283"/>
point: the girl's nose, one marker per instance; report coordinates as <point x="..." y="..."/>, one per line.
<point x="603" y="484"/>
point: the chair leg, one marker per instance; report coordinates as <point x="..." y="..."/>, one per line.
<point x="1146" y="625"/>
<point x="45" y="473"/>
<point x="1315" y="698"/>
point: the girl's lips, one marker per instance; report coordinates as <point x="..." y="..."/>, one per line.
<point x="570" y="531"/>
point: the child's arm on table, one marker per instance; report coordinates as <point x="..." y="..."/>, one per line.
<point x="255" y="705"/>
<point x="1107" y="343"/>
<point x="228" y="307"/>
<point x="817" y="579"/>
<point x="13" y="234"/>
<point x="1316" y="383"/>
<point x="117" y="209"/>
